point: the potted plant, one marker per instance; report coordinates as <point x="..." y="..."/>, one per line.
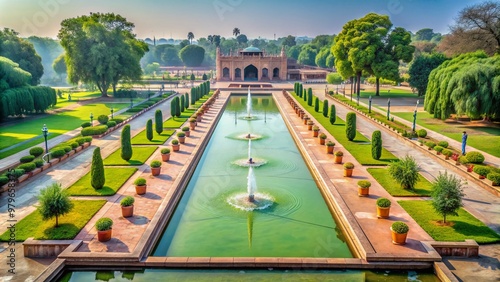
<point x="127" y="204"/>
<point x="329" y="147"/>
<point x="430" y="145"/>
<point x="338" y="157"/>
<point x="140" y="186"/>
<point x="199" y="115"/>
<point x="155" y="167"/>
<point x="399" y="231"/>
<point x="310" y="124"/>
<point x="348" y="168"/>
<point x="175" y="145"/>
<point x="186" y="131"/>
<point x="482" y="171"/>
<point x="383" y="207"/>
<point x="165" y="154"/>
<point x="364" y="188"/>
<point x="104" y="229"/>
<point x="463" y="160"/>
<point x="447" y="153"/>
<point x="182" y="137"/>
<point x="438" y="149"/>
<point x="421" y="141"/>
<point x="322" y="139"/>
<point x="306" y="119"/>
<point x="315" y="131"/>
<point x="192" y="123"/>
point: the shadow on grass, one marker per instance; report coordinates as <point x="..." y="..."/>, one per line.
<point x="64" y="231"/>
<point x="486" y="235"/>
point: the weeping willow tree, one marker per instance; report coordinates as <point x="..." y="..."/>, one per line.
<point x="468" y="84"/>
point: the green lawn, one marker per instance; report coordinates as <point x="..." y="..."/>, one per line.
<point x="482" y="138"/>
<point x="115" y="177"/>
<point x="384" y="93"/>
<point x="422" y="188"/>
<point x="75" y="97"/>
<point x="140" y="138"/>
<point x="139" y="156"/>
<point x="70" y="224"/>
<point x="465" y="226"/>
<point x="360" y="148"/>
<point x="177" y="122"/>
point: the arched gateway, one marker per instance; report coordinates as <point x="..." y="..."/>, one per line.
<point x="251" y="73"/>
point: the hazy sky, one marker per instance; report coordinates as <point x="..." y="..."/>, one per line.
<point x="264" y="18"/>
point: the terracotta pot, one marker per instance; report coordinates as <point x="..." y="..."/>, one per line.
<point x="446" y="157"/>
<point x="315" y="133"/>
<point x="383" y="212"/>
<point x="182" y="140"/>
<point x="309" y="127"/>
<point x="363" y="192"/>
<point x="176" y="148"/>
<point x="398" y="239"/>
<point x="322" y="141"/>
<point x="338" y="159"/>
<point x="155" y="171"/>
<point x="192" y="125"/>
<point x="141" y="190"/>
<point x="128" y="211"/>
<point x="438" y="153"/>
<point x="305" y="121"/>
<point x="469" y="168"/>
<point x="329" y="149"/>
<point x="198" y="118"/>
<point x="482" y="177"/>
<point x="104" y="236"/>
<point x="348" y="172"/>
<point x="165" y="157"/>
<point x="188" y="133"/>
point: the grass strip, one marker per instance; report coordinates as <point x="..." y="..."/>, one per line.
<point x="115" y="178"/>
<point x="139" y="156"/>
<point x="158" y="139"/>
<point x="423" y="187"/>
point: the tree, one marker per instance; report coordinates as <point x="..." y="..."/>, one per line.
<point x="316" y="104"/>
<point x="193" y="96"/>
<point x="22" y="52"/>
<point x="149" y="129"/>
<point x="307" y="56"/>
<point x="186" y="101"/>
<point x="101" y="49"/>
<point x="59" y="65"/>
<point x="236" y="32"/>
<point x="204" y="76"/>
<point x="405" y="172"/>
<point x="152" y="69"/>
<point x="425" y="34"/>
<point x="54" y="202"/>
<point x="420" y="69"/>
<point x="289" y="41"/>
<point x="301" y="89"/>
<point x="181" y="104"/>
<point x="190" y="37"/>
<point x="447" y="193"/>
<point x="242" y="39"/>
<point x="173" y="108"/>
<point x="350" y="126"/>
<point x="309" y="96"/>
<point x="333" y="114"/>
<point x="158" y="121"/>
<point x="177" y="106"/>
<point x="97" y="177"/>
<point x="334" y="78"/>
<point x="376" y="144"/>
<point x="294" y="51"/>
<point x="321" y="57"/>
<point x="126" y="152"/>
<point x="325" y="108"/>
<point x="192" y="55"/>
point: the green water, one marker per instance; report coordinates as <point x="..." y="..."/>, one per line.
<point x="151" y="275"/>
<point x="298" y="224"/>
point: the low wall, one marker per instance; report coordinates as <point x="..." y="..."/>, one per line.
<point x="47" y="248"/>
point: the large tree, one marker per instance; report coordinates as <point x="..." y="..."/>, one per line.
<point x="420" y="69"/>
<point x="192" y="55"/>
<point x="190" y="37"/>
<point x="54" y="202"/>
<point x="236" y="32"/>
<point x="59" y="65"/>
<point x="447" y="193"/>
<point x="22" y="52"/>
<point x="101" y="49"/>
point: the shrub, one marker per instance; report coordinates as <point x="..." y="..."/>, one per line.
<point x="333" y="114"/>
<point x="27" y="167"/>
<point x="64" y="147"/>
<point x="127" y="152"/>
<point x="165" y="151"/>
<point x="330" y="143"/>
<point x="481" y="170"/>
<point x="422" y="133"/>
<point x="339" y="153"/>
<point x="103" y="224"/>
<point x="316" y="104"/>
<point x="3" y="180"/>
<point x="376" y="144"/>
<point x="447" y="152"/>
<point x="438" y="148"/>
<point x="350" y="126"/>
<point x="158" y="121"/>
<point x="155" y="163"/>
<point x="185" y="128"/>
<point x="364" y="184"/>
<point x="103" y="119"/>
<point x="38" y="163"/>
<point x="73" y="145"/>
<point x="80" y="140"/>
<point x="315" y="128"/>
<point x="181" y="134"/>
<point x="18" y="172"/>
<point x="322" y="136"/>
<point x="87" y="139"/>
<point x="430" y="144"/>
<point x="325" y="108"/>
<point x="86" y="124"/>
<point x="117" y="120"/>
<point x="400" y="227"/>
<point x="447" y="195"/>
<point x="127" y="201"/>
<point x="95" y="130"/>
<point x="111" y="124"/>
<point x="97" y="177"/>
<point x="134" y="110"/>
<point x="192" y="119"/>
<point x="475" y="157"/>
<point x="57" y="153"/>
<point x="405" y="172"/>
<point x="149" y="129"/>
<point x="26" y="159"/>
<point x="443" y="144"/>
<point x="348" y="165"/>
<point x="494" y="177"/>
<point x="54" y="202"/>
<point x="140" y="181"/>
<point x="463" y="160"/>
<point x="175" y="142"/>
<point x="36" y="151"/>
<point x="309" y="96"/>
<point x="383" y="202"/>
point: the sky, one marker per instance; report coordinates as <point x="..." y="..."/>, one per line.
<point x="254" y="18"/>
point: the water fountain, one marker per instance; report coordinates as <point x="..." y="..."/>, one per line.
<point x="249" y="104"/>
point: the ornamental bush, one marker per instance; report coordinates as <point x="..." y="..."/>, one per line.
<point x="94" y="130"/>
<point x="165" y="151"/>
<point x="316" y="104"/>
<point x="117" y="120"/>
<point x="400" y="227"/>
<point x="97" y="177"/>
<point x="27" y="166"/>
<point x="383" y="202"/>
<point x="438" y="148"/>
<point x="443" y="144"/>
<point x="325" y="108"/>
<point x="140" y="181"/>
<point x="126" y="152"/>
<point x="376" y="144"/>
<point x="494" y="177"/>
<point x="54" y="202"/>
<point x="86" y="124"/>
<point x="127" y="201"/>
<point x="182" y="103"/>
<point x="158" y="122"/>
<point x="181" y="134"/>
<point x="57" y="153"/>
<point x="479" y="169"/>
<point x="38" y="163"/>
<point x="36" y="151"/>
<point x="103" y="119"/>
<point x="309" y="96"/>
<point x="447" y="194"/>
<point x="447" y="152"/>
<point x="475" y="157"/>
<point x="350" y="126"/>
<point x="149" y="129"/>
<point x="430" y="144"/>
<point x="422" y="133"/>
<point x="103" y="224"/>
<point x="26" y="159"/>
<point x="364" y="184"/>
<point x="333" y="114"/>
<point x="3" y="180"/>
<point x="405" y="172"/>
<point x="111" y="123"/>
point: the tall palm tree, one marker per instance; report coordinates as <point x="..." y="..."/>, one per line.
<point x="236" y="32"/>
<point x="210" y="38"/>
<point x="190" y="37"/>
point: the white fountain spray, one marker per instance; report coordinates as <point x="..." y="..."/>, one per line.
<point x="249" y="104"/>
<point x="249" y="149"/>
<point x="251" y="185"/>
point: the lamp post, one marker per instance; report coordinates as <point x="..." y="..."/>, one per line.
<point x="370" y="104"/>
<point x="91" y="119"/>
<point x="149" y="93"/>
<point x="415" y="117"/>
<point x="388" y="108"/>
<point x="112" y="111"/>
<point x="131" y="101"/>
<point x="45" y="131"/>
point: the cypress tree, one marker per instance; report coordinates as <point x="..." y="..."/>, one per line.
<point x="376" y="144"/>
<point x="173" y="109"/>
<point x="149" y="129"/>
<point x="333" y="114"/>
<point x="304" y="94"/>
<point x="295" y="88"/>
<point x="316" y="104"/>
<point x="158" y="121"/>
<point x="325" y="108"/>
<point x="182" y="104"/>
<point x="350" y="126"/>
<point x="126" y="145"/>
<point x="177" y="106"/>
<point x="193" y="96"/>
<point x="186" y="101"/>
<point x="309" y="96"/>
<point x="97" y="177"/>
<point x="300" y="88"/>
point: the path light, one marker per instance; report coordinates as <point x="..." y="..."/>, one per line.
<point x="370" y="104"/>
<point x="112" y="111"/>
<point x="91" y="119"/>
<point x="415" y="117"/>
<point x="45" y="131"/>
<point x="388" y="108"/>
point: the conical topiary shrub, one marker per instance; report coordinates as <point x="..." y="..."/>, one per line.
<point x="97" y="178"/>
<point x="149" y="129"/>
<point x="158" y="122"/>
<point x="333" y="114"/>
<point x="350" y="126"/>
<point x="126" y="153"/>
<point x="376" y="144"/>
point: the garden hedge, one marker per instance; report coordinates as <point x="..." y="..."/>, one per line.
<point x="350" y="126"/>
